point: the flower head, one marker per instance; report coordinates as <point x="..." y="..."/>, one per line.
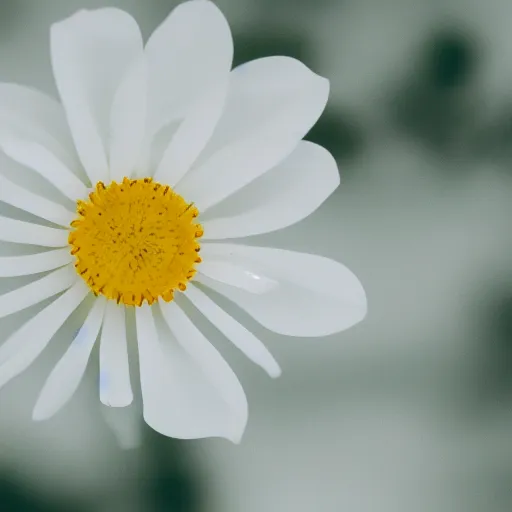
<point x="121" y="178"/>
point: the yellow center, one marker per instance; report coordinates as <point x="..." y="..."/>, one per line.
<point x="135" y="241"/>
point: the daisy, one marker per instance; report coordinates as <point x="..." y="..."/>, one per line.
<point x="124" y="195"/>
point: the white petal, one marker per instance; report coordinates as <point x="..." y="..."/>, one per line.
<point x="283" y="196"/>
<point x="275" y="94"/>
<point x="192" y="135"/>
<point x="240" y="336"/>
<point x="316" y="296"/>
<point x="185" y="397"/>
<point x="272" y="103"/>
<point x="19" y="197"/>
<point x="67" y="374"/>
<point x="11" y="266"/>
<point x="238" y="276"/>
<point x="45" y="163"/>
<point x="191" y="50"/>
<point x="20" y="232"/>
<point x="234" y="167"/>
<point x="128" y="121"/>
<point x="91" y="52"/>
<point x="35" y="116"/>
<point x="33" y="337"/>
<point x="115" y="387"/>
<point x="37" y="291"/>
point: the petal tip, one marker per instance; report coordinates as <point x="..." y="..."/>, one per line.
<point x="40" y="414"/>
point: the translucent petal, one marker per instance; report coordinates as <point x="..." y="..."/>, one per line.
<point x="25" y="345"/>
<point x="37" y="291"/>
<point x="316" y="296"/>
<point x="276" y="94"/>
<point x="34" y="116"/>
<point x="45" y="163"/>
<point x="234" y="167"/>
<point x="19" y="197"/>
<point x="91" y="52"/>
<point x="239" y="335"/>
<point x="185" y="397"/>
<point x="20" y="232"/>
<point x="67" y="374"/>
<point x="192" y="136"/>
<point x="188" y="52"/>
<point x="12" y="266"/>
<point x="238" y="276"/>
<point x="283" y="196"/>
<point x="115" y="387"/>
<point x="128" y="121"/>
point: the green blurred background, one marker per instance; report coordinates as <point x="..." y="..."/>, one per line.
<point x="412" y="409"/>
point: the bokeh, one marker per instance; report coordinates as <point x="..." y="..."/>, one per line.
<point x="410" y="410"/>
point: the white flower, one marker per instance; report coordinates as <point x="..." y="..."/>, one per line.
<point x="146" y="139"/>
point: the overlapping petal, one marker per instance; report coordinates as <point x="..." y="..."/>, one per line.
<point x="316" y="296"/>
<point x="188" y="390"/>
<point x="92" y="52"/>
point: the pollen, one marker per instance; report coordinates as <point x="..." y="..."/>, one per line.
<point x="135" y="241"/>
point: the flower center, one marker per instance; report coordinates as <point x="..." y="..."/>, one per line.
<point x="135" y="241"/>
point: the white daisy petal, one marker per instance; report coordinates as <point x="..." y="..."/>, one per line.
<point x="239" y="335"/>
<point x="19" y="197"/>
<point x="13" y="266"/>
<point x="234" y="167"/>
<point x="185" y="397"/>
<point x="279" y="95"/>
<point x="316" y="296"/>
<point x="91" y="52"/>
<point x="192" y="135"/>
<point x="33" y="337"/>
<point x="191" y="50"/>
<point x="128" y="121"/>
<point x="37" y="291"/>
<point x="238" y="276"/>
<point x="67" y="374"/>
<point x="283" y="196"/>
<point x="20" y="232"/>
<point x="115" y="387"/>
<point x="34" y="116"/>
<point x="46" y="164"/>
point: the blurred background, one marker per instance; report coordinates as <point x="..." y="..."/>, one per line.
<point x="410" y="410"/>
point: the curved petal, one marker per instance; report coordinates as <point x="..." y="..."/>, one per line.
<point x="234" y="167"/>
<point x="34" y="116"/>
<point x="280" y="94"/>
<point x="13" y="266"/>
<point x="188" y="52"/>
<point x="192" y="135"/>
<point x="240" y="336"/>
<point x="91" y="52"/>
<point x="316" y="296"/>
<point x="188" y="390"/>
<point x="37" y="291"/>
<point x="25" y="345"/>
<point x="45" y="163"/>
<point x="238" y="276"/>
<point x="20" y="232"/>
<point x="283" y="196"/>
<point x="67" y="374"/>
<point x="19" y="197"/>
<point x="272" y="103"/>
<point x="128" y="121"/>
<point x="115" y="386"/>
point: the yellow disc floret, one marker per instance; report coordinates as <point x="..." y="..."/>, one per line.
<point x="135" y="241"/>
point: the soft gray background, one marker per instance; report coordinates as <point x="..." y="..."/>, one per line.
<point x="412" y="409"/>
